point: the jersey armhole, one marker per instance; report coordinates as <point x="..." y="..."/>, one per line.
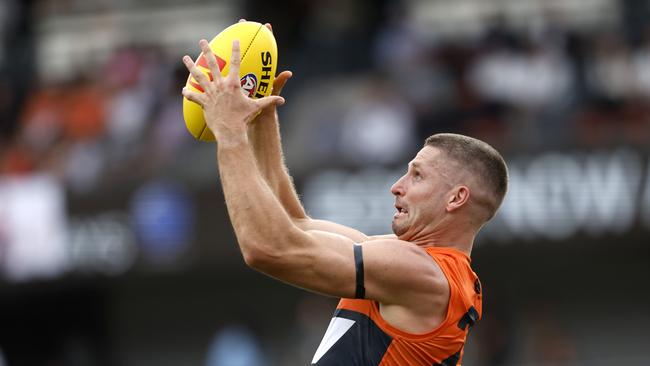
<point x="396" y="332"/>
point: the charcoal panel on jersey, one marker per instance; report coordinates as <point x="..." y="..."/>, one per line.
<point x="364" y="344"/>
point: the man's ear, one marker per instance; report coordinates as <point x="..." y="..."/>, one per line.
<point x="457" y="198"/>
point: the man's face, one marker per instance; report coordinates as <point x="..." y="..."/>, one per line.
<point x="419" y="194"/>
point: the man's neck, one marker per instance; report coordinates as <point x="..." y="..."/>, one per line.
<point x="463" y="240"/>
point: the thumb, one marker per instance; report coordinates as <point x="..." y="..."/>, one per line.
<point x="270" y="100"/>
<point x="280" y="82"/>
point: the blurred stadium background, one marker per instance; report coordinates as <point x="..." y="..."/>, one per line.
<point x="115" y="247"/>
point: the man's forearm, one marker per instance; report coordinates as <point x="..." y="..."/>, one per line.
<point x="264" y="135"/>
<point x="260" y="222"/>
<point x="265" y="139"/>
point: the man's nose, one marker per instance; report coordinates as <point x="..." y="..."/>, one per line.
<point x="398" y="188"/>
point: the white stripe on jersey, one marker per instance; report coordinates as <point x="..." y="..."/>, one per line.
<point x="337" y="328"/>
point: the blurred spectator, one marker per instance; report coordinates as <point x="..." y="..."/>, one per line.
<point x="169" y="134"/>
<point x="379" y="129"/>
<point x="16" y="159"/>
<point x="642" y="66"/>
<point x="235" y="345"/>
<point x="84" y="166"/>
<point x="334" y="32"/>
<point x="42" y="121"/>
<point x="34" y="228"/>
<point x="131" y="100"/>
<point x="83" y="111"/>
<point x="162" y="215"/>
<point x="84" y="117"/>
<point x="397" y="45"/>
<point x="531" y="75"/>
<point x="609" y="72"/>
<point x="410" y="70"/>
<point x="61" y="119"/>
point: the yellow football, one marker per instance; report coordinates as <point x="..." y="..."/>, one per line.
<point x="259" y="55"/>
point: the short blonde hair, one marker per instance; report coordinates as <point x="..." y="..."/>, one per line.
<point x="481" y="161"/>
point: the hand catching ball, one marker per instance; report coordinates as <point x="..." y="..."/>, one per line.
<point x="259" y="54"/>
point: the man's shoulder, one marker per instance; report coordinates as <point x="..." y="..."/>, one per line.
<point x="391" y="245"/>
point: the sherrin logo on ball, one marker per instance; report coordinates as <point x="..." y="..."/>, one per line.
<point x="259" y="55"/>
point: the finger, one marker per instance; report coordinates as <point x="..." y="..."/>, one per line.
<point x="198" y="98"/>
<point x="268" y="101"/>
<point x="212" y="61"/>
<point x="235" y="61"/>
<point x="269" y="27"/>
<point x="241" y="20"/>
<point x="280" y="81"/>
<point x="196" y="73"/>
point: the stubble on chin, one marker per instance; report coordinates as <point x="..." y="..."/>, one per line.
<point x="398" y="229"/>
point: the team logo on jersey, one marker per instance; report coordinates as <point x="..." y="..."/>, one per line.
<point x="249" y="84"/>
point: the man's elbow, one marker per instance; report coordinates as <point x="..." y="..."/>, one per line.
<point x="271" y="255"/>
<point x="263" y="257"/>
<point x="260" y="258"/>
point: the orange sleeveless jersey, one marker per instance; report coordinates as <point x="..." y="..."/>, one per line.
<point x="358" y="335"/>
